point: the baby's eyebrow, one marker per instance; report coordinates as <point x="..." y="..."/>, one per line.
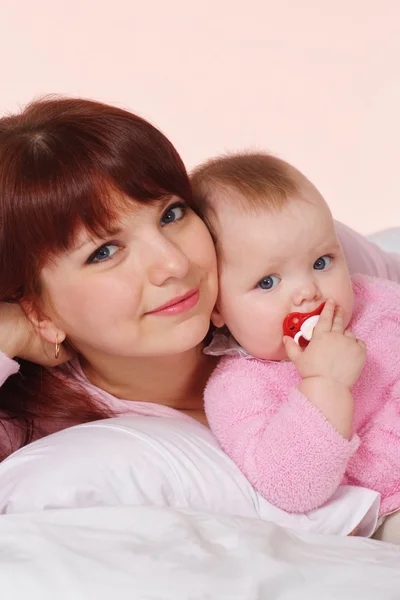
<point x="328" y="246"/>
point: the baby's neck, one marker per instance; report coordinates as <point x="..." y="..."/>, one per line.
<point x="176" y="381"/>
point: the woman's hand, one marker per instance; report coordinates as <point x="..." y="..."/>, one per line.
<point x="18" y="338"/>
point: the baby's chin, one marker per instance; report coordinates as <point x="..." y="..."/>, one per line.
<point x="261" y="352"/>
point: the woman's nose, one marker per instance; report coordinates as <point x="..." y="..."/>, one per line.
<point x="165" y="260"/>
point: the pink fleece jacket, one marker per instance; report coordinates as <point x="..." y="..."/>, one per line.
<point x="284" y="445"/>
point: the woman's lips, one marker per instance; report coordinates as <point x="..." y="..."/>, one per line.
<point x="178" y="305"/>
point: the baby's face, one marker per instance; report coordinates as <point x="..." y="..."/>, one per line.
<point x="275" y="263"/>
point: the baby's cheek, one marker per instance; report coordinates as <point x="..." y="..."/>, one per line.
<point x="342" y="292"/>
<point x="263" y="339"/>
<point x="347" y="304"/>
<point x="241" y="321"/>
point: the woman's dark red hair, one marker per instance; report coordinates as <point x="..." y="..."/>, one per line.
<point x="61" y="160"/>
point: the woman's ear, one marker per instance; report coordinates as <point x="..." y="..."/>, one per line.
<point x="216" y="317"/>
<point x="42" y="324"/>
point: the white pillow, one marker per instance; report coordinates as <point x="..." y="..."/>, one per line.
<point x="387" y="239"/>
<point x="158" y="461"/>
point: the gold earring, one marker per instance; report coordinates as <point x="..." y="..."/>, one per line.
<point x="57" y="352"/>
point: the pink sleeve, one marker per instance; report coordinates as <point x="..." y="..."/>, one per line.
<point x="378" y="465"/>
<point x="9" y="432"/>
<point x="366" y="257"/>
<point x="7" y="367"/>
<point x="284" y="446"/>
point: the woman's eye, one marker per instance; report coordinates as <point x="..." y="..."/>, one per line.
<point x="322" y="263"/>
<point x="173" y="213"/>
<point x="103" y="253"/>
<point x="268" y="282"/>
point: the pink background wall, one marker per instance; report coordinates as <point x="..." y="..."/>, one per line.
<point x="317" y="82"/>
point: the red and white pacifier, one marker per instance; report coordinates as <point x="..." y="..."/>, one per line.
<point x="300" y="326"/>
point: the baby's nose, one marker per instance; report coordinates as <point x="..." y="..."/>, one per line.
<point x="308" y="292"/>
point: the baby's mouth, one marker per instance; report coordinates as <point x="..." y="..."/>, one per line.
<point x="300" y="326"/>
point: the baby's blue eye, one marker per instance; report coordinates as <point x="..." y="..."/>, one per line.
<point x="103" y="253"/>
<point x="322" y="263"/>
<point x="173" y="213"/>
<point x="268" y="282"/>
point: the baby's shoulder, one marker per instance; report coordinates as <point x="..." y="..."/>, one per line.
<point x="373" y="290"/>
<point x="376" y="314"/>
<point x="239" y="371"/>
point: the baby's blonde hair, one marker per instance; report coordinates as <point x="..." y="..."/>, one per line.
<point x="255" y="180"/>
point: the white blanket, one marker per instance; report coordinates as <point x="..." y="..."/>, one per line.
<point x="149" y="553"/>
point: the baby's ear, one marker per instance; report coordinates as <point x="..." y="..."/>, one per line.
<point x="216" y="317"/>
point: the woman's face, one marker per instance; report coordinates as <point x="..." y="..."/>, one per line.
<point x="148" y="290"/>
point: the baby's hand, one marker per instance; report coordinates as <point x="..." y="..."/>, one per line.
<point x="332" y="352"/>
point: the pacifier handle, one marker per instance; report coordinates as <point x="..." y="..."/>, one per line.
<point x="293" y="322"/>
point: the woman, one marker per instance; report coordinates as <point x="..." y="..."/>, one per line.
<point x="102" y="257"/>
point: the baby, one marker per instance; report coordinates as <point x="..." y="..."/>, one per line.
<point x="298" y="419"/>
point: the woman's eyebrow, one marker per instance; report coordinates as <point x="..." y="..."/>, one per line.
<point x="96" y="240"/>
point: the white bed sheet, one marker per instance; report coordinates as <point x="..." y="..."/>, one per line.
<point x="149" y="553"/>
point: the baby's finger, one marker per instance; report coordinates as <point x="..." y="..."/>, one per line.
<point x="349" y="334"/>
<point x="362" y="344"/>
<point x="325" y="319"/>
<point x="337" y="324"/>
<point x="293" y="350"/>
